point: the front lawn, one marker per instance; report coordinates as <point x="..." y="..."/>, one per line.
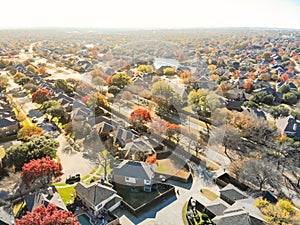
<point x="67" y="192"/>
<point x="184" y="209"/>
<point x="168" y="166"/>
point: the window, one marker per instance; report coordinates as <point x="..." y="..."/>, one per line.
<point x="147" y="182"/>
<point x="130" y="180"/>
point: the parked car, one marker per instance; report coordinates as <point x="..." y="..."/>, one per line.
<point x="73" y="179"/>
<point x="34" y="119"/>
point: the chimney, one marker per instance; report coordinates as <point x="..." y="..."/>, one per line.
<point x="50" y="191"/>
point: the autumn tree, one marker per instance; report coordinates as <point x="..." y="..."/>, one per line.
<point x="260" y="174"/>
<point x="120" y="80"/>
<point x="41" y="95"/>
<point x="31" y="69"/>
<point x="2" y="155"/>
<point x="3" y="83"/>
<point x="42" y="170"/>
<point x="139" y="118"/>
<point x="18" y="76"/>
<point x="30" y="87"/>
<point x="27" y="131"/>
<point x="173" y="132"/>
<point x="35" y="147"/>
<point x="158" y="126"/>
<point x="166" y="98"/>
<point x="169" y="71"/>
<point x="63" y="85"/>
<point x="78" y="129"/>
<point x="283" y="212"/>
<point x="41" y="70"/>
<point x="49" y="215"/>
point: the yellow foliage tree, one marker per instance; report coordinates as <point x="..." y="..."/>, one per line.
<point x="283" y="212"/>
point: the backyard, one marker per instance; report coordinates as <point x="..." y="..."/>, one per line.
<point x="170" y="167"/>
<point x="137" y="199"/>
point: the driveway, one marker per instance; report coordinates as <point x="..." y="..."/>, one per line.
<point x="71" y="160"/>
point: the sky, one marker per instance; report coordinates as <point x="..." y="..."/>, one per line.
<point x="150" y="13"/>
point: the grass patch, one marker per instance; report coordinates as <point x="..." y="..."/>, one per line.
<point x="167" y="166"/>
<point x="184" y="209"/>
<point x="212" y="166"/>
<point x="67" y="193"/>
<point x="209" y="194"/>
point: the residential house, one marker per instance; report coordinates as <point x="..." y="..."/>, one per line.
<point x="123" y="136"/>
<point x="97" y="197"/>
<point x="6" y="215"/>
<point x="291" y="85"/>
<point x="134" y="174"/>
<point x="8" y="123"/>
<point x="289" y="126"/>
<point x="231" y="194"/>
<point x="139" y="150"/>
<point x="44" y="197"/>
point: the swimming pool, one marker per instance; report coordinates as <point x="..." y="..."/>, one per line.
<point x="84" y="219"/>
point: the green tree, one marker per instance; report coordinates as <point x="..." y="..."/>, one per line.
<point x="114" y="90"/>
<point x="284" y="89"/>
<point x="263" y="97"/>
<point x="36" y="147"/>
<point x="290" y="98"/>
<point x="56" y="111"/>
<point x="279" y="111"/>
<point x="63" y="85"/>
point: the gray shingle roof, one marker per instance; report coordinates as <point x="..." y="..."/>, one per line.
<point x="94" y="193"/>
<point x="139" y="170"/>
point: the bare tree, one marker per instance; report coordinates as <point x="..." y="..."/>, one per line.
<point x="260" y="174"/>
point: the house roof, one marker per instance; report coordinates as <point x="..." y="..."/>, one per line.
<point x="95" y="193"/>
<point x="123" y="136"/>
<point x="44" y="197"/>
<point x="6" y="215"/>
<point x="139" y="145"/>
<point x="139" y="170"/>
<point x="236" y="218"/>
<point x="217" y="209"/>
<point x="5" y="122"/>
<point x="105" y="127"/>
<point x="232" y="193"/>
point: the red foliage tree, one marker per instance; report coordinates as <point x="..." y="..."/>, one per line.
<point x="248" y="85"/>
<point x="284" y="77"/>
<point x="41" y="96"/>
<point x="48" y="216"/>
<point x="139" y="118"/>
<point x="43" y="169"/>
<point x="173" y="130"/>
